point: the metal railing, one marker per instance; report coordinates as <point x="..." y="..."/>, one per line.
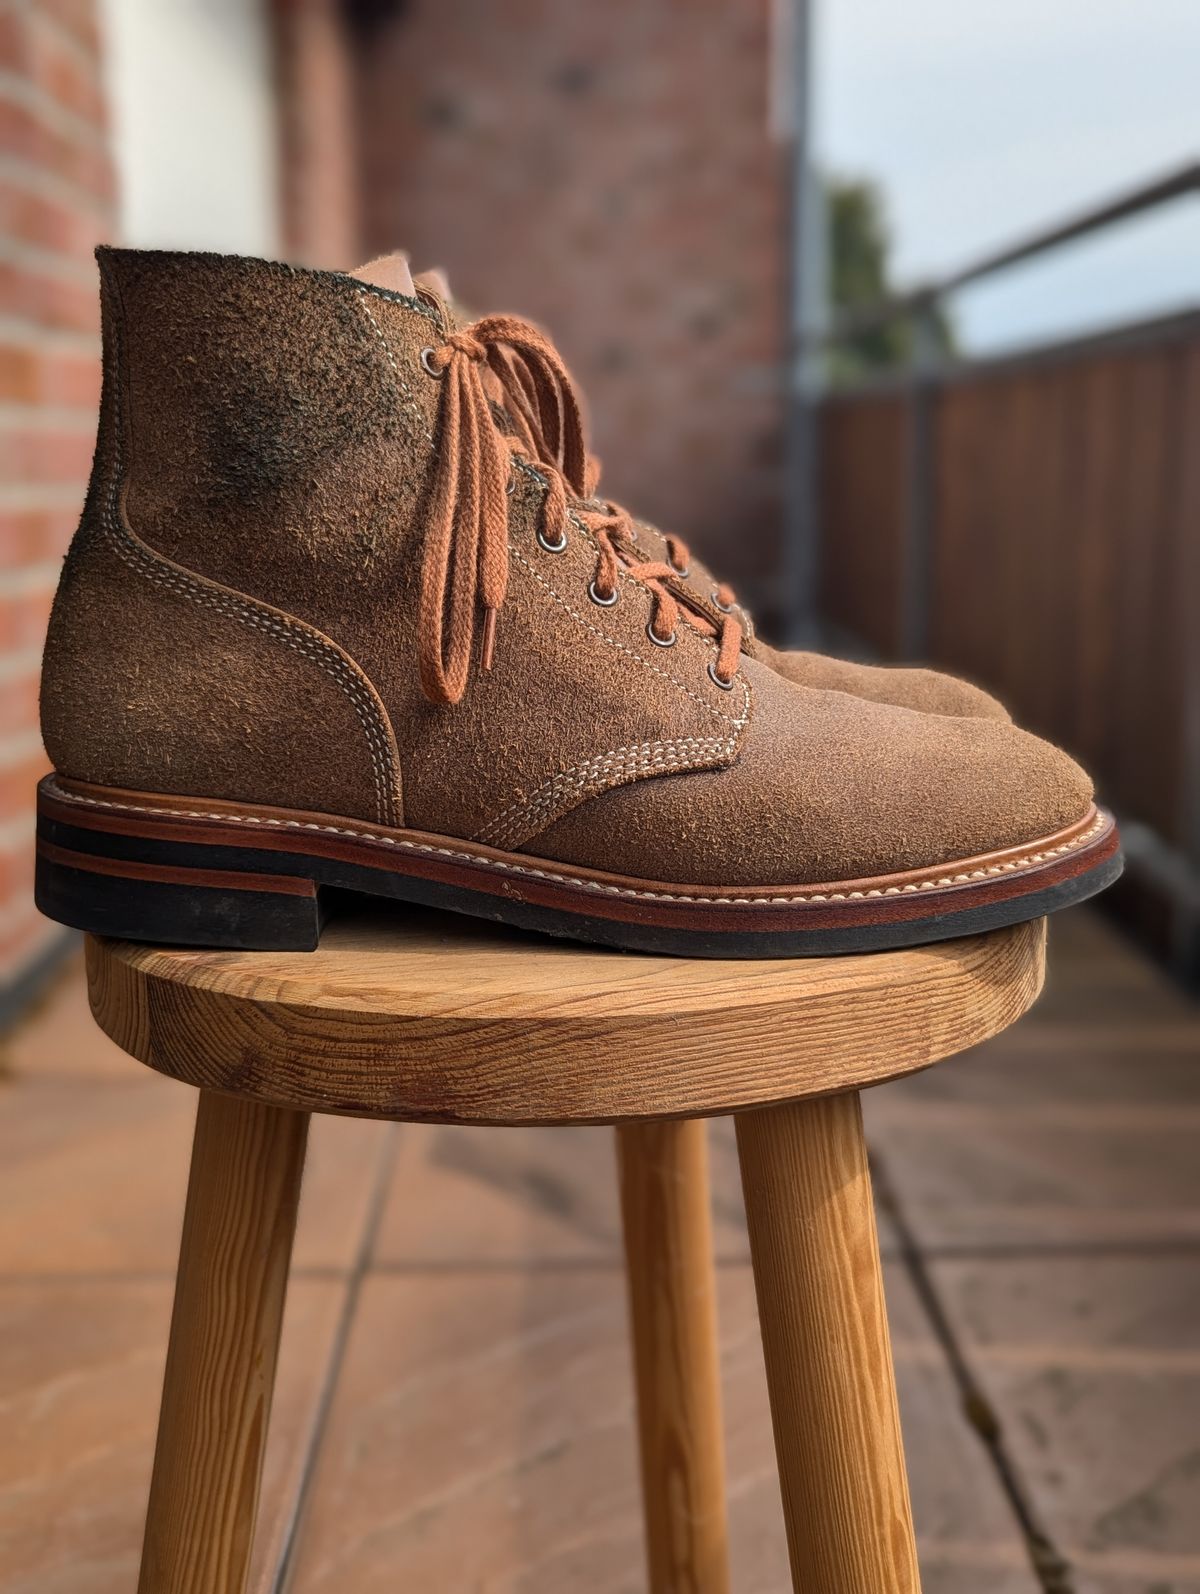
<point x="916" y="393"/>
<point x="924" y="300"/>
<point x="920" y="375"/>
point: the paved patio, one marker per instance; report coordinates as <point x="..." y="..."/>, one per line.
<point x="454" y="1407"/>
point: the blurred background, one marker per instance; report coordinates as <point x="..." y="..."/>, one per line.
<point x="894" y="312"/>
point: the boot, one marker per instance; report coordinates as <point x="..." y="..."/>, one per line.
<point x="324" y="626"/>
<point x="931" y="691"/>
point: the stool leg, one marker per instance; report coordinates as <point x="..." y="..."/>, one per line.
<point x="672" y="1295"/>
<point x="233" y="1264"/>
<point x="828" y="1355"/>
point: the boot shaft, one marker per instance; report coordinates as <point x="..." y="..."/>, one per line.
<point x="239" y="613"/>
<point x="272" y="423"/>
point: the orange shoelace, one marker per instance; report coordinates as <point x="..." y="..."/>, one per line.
<point x="466" y="550"/>
<point x="522" y="407"/>
<point x="679" y="555"/>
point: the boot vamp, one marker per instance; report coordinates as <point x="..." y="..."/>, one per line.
<point x="830" y="787"/>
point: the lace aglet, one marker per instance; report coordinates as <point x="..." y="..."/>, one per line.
<point x="489" y="637"/>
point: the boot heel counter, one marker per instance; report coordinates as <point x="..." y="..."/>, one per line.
<point x="156" y="679"/>
<point x="63" y="679"/>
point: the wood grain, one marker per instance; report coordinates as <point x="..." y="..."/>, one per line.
<point x="229" y="1294"/>
<point x="827" y="1349"/>
<point x="672" y="1293"/>
<point x="444" y="1018"/>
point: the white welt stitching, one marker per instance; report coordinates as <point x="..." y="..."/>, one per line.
<point x="398" y="842"/>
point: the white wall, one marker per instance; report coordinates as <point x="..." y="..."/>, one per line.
<point x="194" y="133"/>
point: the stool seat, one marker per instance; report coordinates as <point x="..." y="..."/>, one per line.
<point x="437" y="1017"/>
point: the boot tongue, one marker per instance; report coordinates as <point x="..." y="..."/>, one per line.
<point x="390" y="272"/>
<point x="436" y="281"/>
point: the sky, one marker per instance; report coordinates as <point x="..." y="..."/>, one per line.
<point x="983" y="123"/>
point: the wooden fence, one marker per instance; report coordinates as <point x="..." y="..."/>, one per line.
<point x="1034" y="524"/>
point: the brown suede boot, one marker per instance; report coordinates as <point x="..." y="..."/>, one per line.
<point x="324" y="626"/>
<point x="909" y="686"/>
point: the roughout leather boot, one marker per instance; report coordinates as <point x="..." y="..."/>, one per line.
<point x="324" y="626"/>
<point x="932" y="691"/>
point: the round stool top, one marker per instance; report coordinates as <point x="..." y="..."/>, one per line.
<point x="419" y="1015"/>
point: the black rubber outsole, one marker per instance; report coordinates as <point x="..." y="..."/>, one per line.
<point x="290" y="917"/>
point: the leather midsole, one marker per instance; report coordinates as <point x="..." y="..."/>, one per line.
<point x="182" y="832"/>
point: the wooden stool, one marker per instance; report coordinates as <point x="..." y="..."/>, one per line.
<point x="428" y="1017"/>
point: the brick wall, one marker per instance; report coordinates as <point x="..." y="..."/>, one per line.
<point x="318" y="154"/>
<point x="609" y="170"/>
<point x="56" y="202"/>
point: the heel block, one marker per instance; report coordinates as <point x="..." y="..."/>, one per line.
<point x="134" y="900"/>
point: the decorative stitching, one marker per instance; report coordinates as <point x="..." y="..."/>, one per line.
<point x="535" y="475"/>
<point x="398" y="842"/>
<point x="622" y="647"/>
<point x="293" y="633"/>
<point x="403" y="394"/>
<point x="522" y="818"/>
<point x="567" y="788"/>
<point x="284" y="268"/>
<point x="525" y="817"/>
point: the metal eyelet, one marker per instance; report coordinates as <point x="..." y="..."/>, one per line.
<point x="430" y="370"/>
<point x="661" y="642"/>
<point x="553" y="547"/>
<point x="605" y="603"/>
<point x="725" y="608"/>
<point x="684" y="573"/>
<point x="511" y="485"/>
<point x="726" y="686"/>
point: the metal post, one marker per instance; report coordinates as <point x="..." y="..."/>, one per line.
<point x="804" y="364"/>
<point x="917" y="570"/>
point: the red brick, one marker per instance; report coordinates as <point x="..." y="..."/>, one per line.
<point x="81" y="160"/>
<point x="56" y="202"/>
<point x="23" y="617"/>
<point x="18" y="783"/>
<point x="48" y="221"/>
<point x="16" y="45"/>
<point x="30" y="375"/>
<point x="320" y="198"/>
<point x="67" y="81"/>
<point x="611" y="172"/>
<point x="36" y="456"/>
<point x="19" y="704"/>
<point x="78" y="21"/>
<point x="48" y="300"/>
<point x="32" y="536"/>
<point x="36" y="48"/>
